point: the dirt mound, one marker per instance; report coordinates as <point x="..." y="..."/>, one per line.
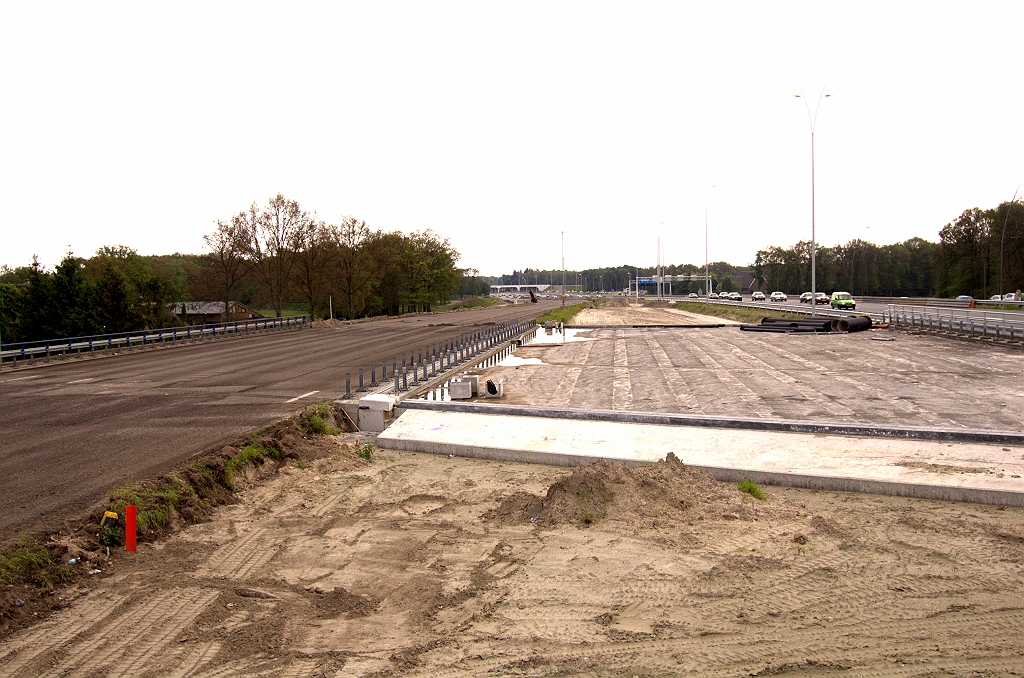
<point x="644" y="495"/>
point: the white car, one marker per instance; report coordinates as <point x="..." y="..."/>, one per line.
<point x="778" y="296"/>
<point x="757" y="296"/>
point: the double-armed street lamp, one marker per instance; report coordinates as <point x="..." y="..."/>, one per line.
<point x="814" y="246"/>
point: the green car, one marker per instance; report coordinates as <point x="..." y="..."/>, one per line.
<point x="843" y="300"/>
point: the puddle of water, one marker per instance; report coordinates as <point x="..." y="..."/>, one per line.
<point x="570" y="335"/>
<point x="516" y="361"/>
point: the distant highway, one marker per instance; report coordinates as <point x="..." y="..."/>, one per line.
<point x="72" y="430"/>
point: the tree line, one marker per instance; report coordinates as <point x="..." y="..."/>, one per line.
<point x="965" y="260"/>
<point x="275" y="256"/>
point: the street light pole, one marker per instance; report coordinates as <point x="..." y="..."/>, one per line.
<point x="1002" y="241"/>
<point x="814" y="243"/>
<point x="707" y="274"/>
<point x="563" y="269"/>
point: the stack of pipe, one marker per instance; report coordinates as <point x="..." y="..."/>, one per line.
<point x="810" y="325"/>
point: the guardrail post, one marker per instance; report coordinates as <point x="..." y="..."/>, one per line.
<point x="394" y="365"/>
<point x="397" y="390"/>
<point x="383" y="370"/>
<point x="405" y="379"/>
<point x="47" y="351"/>
<point x="348" y="385"/>
<point x="362" y="387"/>
<point x="373" y="374"/>
<point x="415" y="374"/>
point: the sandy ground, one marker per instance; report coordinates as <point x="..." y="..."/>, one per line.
<point x="423" y="565"/>
<point x="635" y="314"/>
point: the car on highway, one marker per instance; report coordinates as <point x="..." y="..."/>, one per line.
<point x="805" y="298"/>
<point x="691" y="295"/>
<point x="778" y="296"/>
<point x="735" y="296"/>
<point x="843" y="300"/>
<point x="965" y="297"/>
<point x="757" y="296"/>
<point x="820" y="298"/>
<point x="713" y="295"/>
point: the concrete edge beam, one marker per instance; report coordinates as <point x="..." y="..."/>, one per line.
<point x="783" y="425"/>
<point x="723" y="474"/>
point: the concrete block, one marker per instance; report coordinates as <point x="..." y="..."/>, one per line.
<point x="494" y="390"/>
<point x="460" y="390"/>
<point x="371" y="420"/>
<point x="378" y="401"/>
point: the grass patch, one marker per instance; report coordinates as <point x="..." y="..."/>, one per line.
<point x="752" y="488"/>
<point x="471" y="302"/>
<point x="737" y="313"/>
<point x="565" y="315"/>
<point x="28" y="558"/>
<point x="365" y="452"/>
<point x="156" y="503"/>
<point x="251" y="455"/>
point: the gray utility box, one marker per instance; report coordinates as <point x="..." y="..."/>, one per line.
<point x="460" y="390"/>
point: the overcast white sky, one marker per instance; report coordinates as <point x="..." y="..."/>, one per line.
<point x="499" y="125"/>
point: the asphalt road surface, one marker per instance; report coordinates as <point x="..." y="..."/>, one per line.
<point x="70" y="431"/>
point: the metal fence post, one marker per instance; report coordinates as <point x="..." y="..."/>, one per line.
<point x="373" y="374"/>
<point x="348" y="385"/>
<point x="362" y="387"/>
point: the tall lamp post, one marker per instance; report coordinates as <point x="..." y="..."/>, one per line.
<point x="814" y="246"/>
<point x="707" y="274"/>
<point x="1002" y="241"/>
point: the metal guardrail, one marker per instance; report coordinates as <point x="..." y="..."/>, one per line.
<point x="776" y="308"/>
<point x="996" y="325"/>
<point x="30" y="351"/>
<point x="937" y="301"/>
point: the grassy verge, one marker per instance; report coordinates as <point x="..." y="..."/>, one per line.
<point x="737" y="313"/>
<point x="287" y="309"/>
<point x="471" y="302"/>
<point x="565" y="315"/>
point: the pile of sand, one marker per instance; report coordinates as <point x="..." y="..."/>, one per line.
<point x="642" y="496"/>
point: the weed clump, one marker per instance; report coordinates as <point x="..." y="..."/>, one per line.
<point x="752" y="488"/>
<point x="251" y="455"/>
<point x="27" y="558"/>
<point x="318" y="420"/>
<point x="365" y="452"/>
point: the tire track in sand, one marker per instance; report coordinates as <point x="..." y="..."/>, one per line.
<point x="128" y="646"/>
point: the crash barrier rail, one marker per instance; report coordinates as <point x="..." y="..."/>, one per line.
<point x="945" y="303"/>
<point x="434" y="360"/>
<point x="997" y="325"/>
<point x="30" y="351"/>
<point x="775" y="308"/>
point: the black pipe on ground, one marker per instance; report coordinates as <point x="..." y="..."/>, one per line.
<point x="857" y="323"/>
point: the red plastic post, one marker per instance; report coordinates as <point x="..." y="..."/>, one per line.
<point x="129" y="528"/>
